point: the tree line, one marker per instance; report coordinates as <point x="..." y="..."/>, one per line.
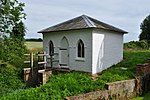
<point x="34" y="39"/>
<point x="144" y="37"/>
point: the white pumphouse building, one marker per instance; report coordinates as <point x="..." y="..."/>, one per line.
<point x="83" y="44"/>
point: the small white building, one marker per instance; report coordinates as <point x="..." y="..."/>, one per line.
<point x="83" y="44"/>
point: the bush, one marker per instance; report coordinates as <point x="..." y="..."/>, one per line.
<point x="136" y="45"/>
<point x="143" y="44"/>
<point x="12" y="51"/>
<point x="9" y="80"/>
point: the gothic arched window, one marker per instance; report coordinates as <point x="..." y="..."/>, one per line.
<point x="51" y="48"/>
<point x="80" y="49"/>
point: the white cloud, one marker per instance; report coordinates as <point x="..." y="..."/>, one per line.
<point x="125" y="14"/>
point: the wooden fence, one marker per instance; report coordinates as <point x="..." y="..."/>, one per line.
<point x="34" y="75"/>
<point x="38" y="55"/>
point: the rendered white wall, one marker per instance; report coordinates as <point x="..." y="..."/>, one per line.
<point x="102" y="48"/>
<point x="73" y="36"/>
<point x="107" y="49"/>
<point x="97" y="52"/>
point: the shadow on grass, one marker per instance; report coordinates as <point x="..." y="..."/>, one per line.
<point x="147" y="96"/>
<point x="144" y="97"/>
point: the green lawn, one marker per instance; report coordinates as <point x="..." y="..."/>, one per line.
<point x="61" y="85"/>
<point x="33" y="45"/>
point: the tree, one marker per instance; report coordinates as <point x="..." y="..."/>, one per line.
<point x="145" y="30"/>
<point x="12" y="30"/>
<point x="11" y="14"/>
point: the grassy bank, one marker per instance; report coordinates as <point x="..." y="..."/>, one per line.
<point x="61" y="85"/>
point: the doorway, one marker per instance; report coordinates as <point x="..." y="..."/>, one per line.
<point x="64" y="53"/>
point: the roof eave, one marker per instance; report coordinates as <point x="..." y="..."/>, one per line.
<point x="65" y="30"/>
<point x="42" y="31"/>
<point x="121" y="31"/>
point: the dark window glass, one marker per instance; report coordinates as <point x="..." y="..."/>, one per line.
<point x="51" y="48"/>
<point x="81" y="49"/>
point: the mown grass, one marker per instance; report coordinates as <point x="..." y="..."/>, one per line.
<point x="61" y="85"/>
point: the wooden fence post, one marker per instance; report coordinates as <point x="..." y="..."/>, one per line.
<point x="38" y="55"/>
<point x="31" y="61"/>
<point x="44" y="57"/>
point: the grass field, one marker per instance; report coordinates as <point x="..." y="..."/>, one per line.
<point x="61" y="85"/>
<point x="34" y="45"/>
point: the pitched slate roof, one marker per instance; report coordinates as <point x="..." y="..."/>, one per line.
<point x="81" y="22"/>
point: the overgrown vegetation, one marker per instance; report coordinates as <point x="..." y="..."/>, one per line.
<point x="67" y="84"/>
<point x="9" y="79"/>
<point x="12" y="48"/>
<point x="136" y="45"/>
<point x="12" y="51"/>
<point x="12" y="31"/>
<point x="145" y="30"/>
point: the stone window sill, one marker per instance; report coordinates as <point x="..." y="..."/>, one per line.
<point x="80" y="59"/>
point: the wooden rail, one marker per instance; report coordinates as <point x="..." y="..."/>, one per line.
<point x="31" y="61"/>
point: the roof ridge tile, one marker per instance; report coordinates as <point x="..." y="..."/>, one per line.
<point x="88" y="21"/>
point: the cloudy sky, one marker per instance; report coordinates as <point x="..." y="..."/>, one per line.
<point x="124" y="14"/>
